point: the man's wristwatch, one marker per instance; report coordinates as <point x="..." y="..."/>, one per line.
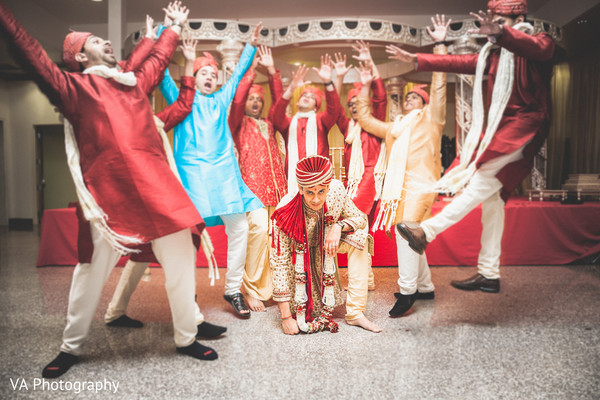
<point x="341" y="224"/>
<point x="328" y="83"/>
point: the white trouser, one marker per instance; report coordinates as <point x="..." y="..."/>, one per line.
<point x="177" y="255"/>
<point x="483" y="188"/>
<point x="236" y="228"/>
<point x="413" y="270"/>
<point x="130" y="277"/>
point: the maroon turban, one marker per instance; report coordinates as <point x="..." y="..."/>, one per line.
<point x="314" y="170"/>
<point x="508" y="7"/>
<point x="318" y="94"/>
<point x="419" y="90"/>
<point x="202" y="62"/>
<point x="72" y="45"/>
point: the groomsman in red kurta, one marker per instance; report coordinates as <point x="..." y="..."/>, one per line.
<point x="488" y="170"/>
<point x="306" y="133"/>
<point x="262" y="170"/>
<point x="129" y="193"/>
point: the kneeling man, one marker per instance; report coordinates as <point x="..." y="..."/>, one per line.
<point x="309" y="229"/>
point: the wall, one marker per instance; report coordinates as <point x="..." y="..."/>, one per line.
<point x="22" y="106"/>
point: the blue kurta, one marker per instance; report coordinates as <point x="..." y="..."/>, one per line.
<point x="203" y="149"/>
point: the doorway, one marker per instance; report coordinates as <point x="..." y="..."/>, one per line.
<point x="54" y="184"/>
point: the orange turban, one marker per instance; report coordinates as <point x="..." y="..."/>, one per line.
<point x="259" y="90"/>
<point x="354" y="92"/>
<point x="419" y="90"/>
<point x="508" y="7"/>
<point x="72" y="45"/>
<point x="202" y="62"/>
<point x="318" y="94"/>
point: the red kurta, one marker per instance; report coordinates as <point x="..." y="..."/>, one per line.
<point x="122" y="158"/>
<point x="371" y="146"/>
<point x="526" y="117"/>
<point x="260" y="163"/>
<point x="325" y="121"/>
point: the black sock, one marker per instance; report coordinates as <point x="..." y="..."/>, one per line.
<point x="198" y="351"/>
<point x="208" y="330"/>
<point x="59" y="365"/>
<point x="125" y="321"/>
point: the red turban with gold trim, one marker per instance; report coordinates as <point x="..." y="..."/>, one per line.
<point x="314" y="170"/>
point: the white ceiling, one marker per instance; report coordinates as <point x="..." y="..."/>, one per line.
<point x="50" y="20"/>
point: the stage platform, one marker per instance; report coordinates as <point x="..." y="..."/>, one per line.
<point x="535" y="233"/>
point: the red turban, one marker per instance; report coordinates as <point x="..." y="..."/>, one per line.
<point x="202" y="62"/>
<point x="419" y="90"/>
<point x="259" y="90"/>
<point x="354" y="92"/>
<point x="508" y="7"/>
<point x="72" y="45"/>
<point x="314" y="170"/>
<point x="318" y="94"/>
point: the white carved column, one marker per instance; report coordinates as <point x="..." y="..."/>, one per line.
<point x="230" y="51"/>
<point x="116" y="26"/>
<point x="395" y="90"/>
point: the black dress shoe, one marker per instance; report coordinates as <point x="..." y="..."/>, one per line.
<point x="478" y="282"/>
<point x="125" y="321"/>
<point x="237" y="301"/>
<point x="403" y="303"/>
<point x="413" y="234"/>
<point x="425" y="295"/>
<point x="420" y="296"/>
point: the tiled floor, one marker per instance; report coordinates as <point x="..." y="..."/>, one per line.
<point x="538" y="338"/>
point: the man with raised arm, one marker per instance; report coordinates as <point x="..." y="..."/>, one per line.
<point x="306" y="132"/>
<point x="204" y="153"/>
<point x="262" y="170"/>
<point x="495" y="158"/>
<point x="413" y="143"/>
<point x="121" y="174"/>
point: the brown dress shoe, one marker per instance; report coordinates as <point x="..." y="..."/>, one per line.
<point x="478" y="282"/>
<point x="413" y="234"/>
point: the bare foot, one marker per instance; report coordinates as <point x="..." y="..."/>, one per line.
<point x="364" y="323"/>
<point x="254" y="304"/>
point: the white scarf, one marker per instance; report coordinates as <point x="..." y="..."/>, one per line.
<point x="311" y="145"/>
<point x="205" y="241"/>
<point x="124" y="78"/>
<point x="356" y="169"/>
<point x="379" y="171"/>
<point x="91" y="210"/>
<point x="460" y="175"/>
<point x="393" y="186"/>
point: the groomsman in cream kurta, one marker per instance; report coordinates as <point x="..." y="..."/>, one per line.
<point x="413" y="143"/>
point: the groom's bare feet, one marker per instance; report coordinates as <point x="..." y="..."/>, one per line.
<point x="254" y="304"/>
<point x="364" y="323"/>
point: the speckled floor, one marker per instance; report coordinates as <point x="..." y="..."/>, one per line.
<point x="539" y="338"/>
